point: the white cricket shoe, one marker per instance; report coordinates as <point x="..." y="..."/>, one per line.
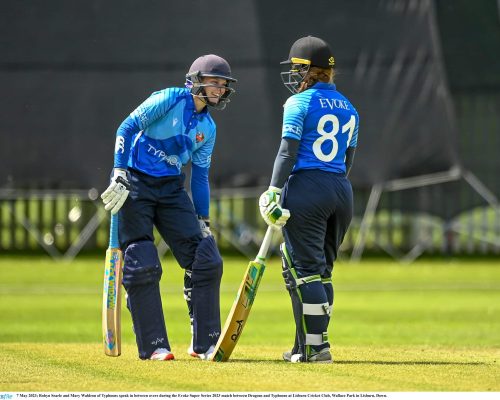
<point x="190" y="350"/>
<point x="161" y="354"/>
<point x="203" y="356"/>
<point x="323" y="356"/>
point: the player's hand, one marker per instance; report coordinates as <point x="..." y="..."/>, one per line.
<point x="116" y="193"/>
<point x="204" y="226"/>
<point x="270" y="208"/>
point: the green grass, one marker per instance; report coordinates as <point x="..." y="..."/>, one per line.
<point x="430" y="326"/>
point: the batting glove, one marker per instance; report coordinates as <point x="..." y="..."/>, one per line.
<point x="117" y="192"/>
<point x="270" y="208"/>
<point x="204" y="226"/>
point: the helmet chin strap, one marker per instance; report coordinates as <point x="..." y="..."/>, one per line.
<point x="201" y="97"/>
<point x="198" y="90"/>
<point x="204" y="97"/>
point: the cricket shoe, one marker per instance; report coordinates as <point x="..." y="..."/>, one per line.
<point x="161" y="354"/>
<point x="323" y="356"/>
<point x="190" y="350"/>
<point x="202" y="356"/>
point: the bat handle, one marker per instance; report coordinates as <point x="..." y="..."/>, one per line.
<point x="113" y="232"/>
<point x="264" y="247"/>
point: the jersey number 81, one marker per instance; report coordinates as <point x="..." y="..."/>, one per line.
<point x="324" y="135"/>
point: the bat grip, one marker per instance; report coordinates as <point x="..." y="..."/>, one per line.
<point x="113" y="232"/>
<point x="264" y="247"/>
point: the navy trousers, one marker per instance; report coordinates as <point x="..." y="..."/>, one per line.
<point x="321" y="207"/>
<point x="164" y="203"/>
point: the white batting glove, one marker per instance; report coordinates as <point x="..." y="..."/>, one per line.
<point x="205" y="227"/>
<point x="270" y="208"/>
<point x="117" y="192"/>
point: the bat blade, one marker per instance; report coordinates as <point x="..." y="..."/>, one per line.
<point x="111" y="302"/>
<point x="240" y="311"/>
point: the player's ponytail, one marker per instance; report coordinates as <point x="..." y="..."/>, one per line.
<point x="315" y="75"/>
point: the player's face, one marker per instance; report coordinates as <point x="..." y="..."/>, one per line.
<point x="293" y="76"/>
<point x="215" y="89"/>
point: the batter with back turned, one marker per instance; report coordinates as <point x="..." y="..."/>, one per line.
<point x="169" y="129"/>
<point x="310" y="192"/>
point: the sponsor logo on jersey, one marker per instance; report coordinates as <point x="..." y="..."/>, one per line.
<point x="174" y="121"/>
<point x="138" y="113"/>
<point x="120" y="144"/>
<point x="172" y="160"/>
<point x="291" y="128"/>
<point x="162" y="156"/>
<point x="199" y="137"/>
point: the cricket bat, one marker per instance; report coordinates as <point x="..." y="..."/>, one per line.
<point x="242" y="305"/>
<point x="111" y="299"/>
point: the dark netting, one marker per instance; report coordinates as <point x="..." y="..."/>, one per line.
<point x="70" y="73"/>
<point x="389" y="63"/>
<point x="388" y="66"/>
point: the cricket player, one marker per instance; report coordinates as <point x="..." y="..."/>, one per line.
<point x="310" y="189"/>
<point x="169" y="129"/>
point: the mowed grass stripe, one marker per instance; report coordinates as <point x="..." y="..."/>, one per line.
<point x="49" y="289"/>
<point x="429" y="327"/>
<point x="77" y="367"/>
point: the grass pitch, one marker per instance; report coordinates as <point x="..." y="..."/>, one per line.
<point x="430" y="326"/>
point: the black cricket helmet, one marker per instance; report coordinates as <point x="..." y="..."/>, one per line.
<point x="210" y="65"/>
<point x="305" y="53"/>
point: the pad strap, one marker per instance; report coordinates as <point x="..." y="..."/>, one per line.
<point x="187" y="285"/>
<point x="311" y="308"/>
<point x="188" y="288"/>
<point x="307" y="279"/>
<point x="206" y="275"/>
<point x="316" y="309"/>
<point x="316" y="339"/>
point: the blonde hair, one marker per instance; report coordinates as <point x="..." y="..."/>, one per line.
<point x="317" y="74"/>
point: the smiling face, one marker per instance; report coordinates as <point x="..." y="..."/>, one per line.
<point x="214" y="89"/>
<point x="209" y="79"/>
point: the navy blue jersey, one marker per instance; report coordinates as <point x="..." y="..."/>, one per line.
<point x="325" y="123"/>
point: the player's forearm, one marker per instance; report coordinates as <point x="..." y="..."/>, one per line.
<point x="285" y="160"/>
<point x="200" y="190"/>
<point x="124" y="135"/>
<point x="349" y="159"/>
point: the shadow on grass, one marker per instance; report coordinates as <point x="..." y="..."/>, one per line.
<point x="240" y="361"/>
<point x="347" y="362"/>
<point x="408" y="362"/>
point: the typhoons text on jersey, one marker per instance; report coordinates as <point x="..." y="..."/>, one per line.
<point x="162" y="156"/>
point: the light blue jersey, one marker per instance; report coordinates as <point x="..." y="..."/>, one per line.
<point x="325" y="123"/>
<point x="164" y="133"/>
